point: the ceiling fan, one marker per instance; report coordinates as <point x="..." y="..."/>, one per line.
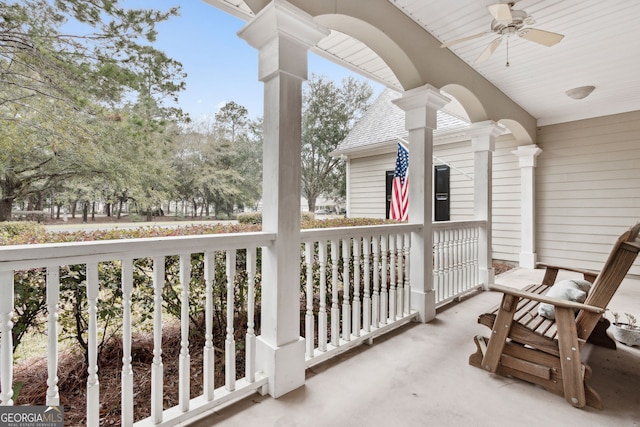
<point x="507" y="22"/>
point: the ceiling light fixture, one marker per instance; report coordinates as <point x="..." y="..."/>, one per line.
<point x="580" y="92"/>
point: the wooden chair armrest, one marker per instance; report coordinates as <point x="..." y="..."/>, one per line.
<point x="545" y="299"/>
<point x="575" y="270"/>
<point x="551" y="273"/>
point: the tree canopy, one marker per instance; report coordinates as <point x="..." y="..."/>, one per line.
<point x="329" y="113"/>
<point x="70" y="72"/>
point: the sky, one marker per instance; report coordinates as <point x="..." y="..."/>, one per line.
<point x="220" y="66"/>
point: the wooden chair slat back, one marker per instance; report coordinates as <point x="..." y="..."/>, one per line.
<point x="622" y="256"/>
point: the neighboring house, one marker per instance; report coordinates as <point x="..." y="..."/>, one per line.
<point x="586" y="186"/>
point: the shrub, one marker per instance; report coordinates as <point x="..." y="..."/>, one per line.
<point x="250" y="218"/>
<point x="21" y="232"/>
<point x="308" y="216"/>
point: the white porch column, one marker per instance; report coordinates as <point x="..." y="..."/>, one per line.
<point x="421" y="106"/>
<point x="282" y="34"/>
<point x="483" y="136"/>
<point x="527" y="155"/>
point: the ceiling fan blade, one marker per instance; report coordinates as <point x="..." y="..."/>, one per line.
<point x="463" y="39"/>
<point x="500" y="12"/>
<point x="545" y="38"/>
<point x="488" y="51"/>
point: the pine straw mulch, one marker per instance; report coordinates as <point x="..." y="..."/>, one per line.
<point x="72" y="374"/>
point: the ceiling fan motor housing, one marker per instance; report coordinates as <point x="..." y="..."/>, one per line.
<point x="519" y="18"/>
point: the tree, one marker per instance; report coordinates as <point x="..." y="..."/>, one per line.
<point x="231" y="120"/>
<point x="58" y="90"/>
<point x="219" y="163"/>
<point x="329" y="112"/>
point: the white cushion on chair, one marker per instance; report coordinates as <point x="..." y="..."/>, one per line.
<point x="570" y="290"/>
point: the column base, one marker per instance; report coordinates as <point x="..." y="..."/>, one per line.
<point x="285" y="366"/>
<point x="425" y="304"/>
<point x="487" y="277"/>
<point x="528" y="259"/>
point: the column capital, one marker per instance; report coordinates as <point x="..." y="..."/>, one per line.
<point x="416" y="102"/>
<point x="527" y="155"/>
<point x="483" y="135"/>
<point x="282" y="33"/>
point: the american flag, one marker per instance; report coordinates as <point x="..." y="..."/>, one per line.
<point x="400" y="192"/>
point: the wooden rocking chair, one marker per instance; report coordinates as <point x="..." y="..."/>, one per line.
<point x="533" y="348"/>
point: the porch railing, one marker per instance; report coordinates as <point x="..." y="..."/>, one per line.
<point x="354" y="286"/>
<point x="90" y="254"/>
<point x="455" y="259"/>
<point x="363" y="288"/>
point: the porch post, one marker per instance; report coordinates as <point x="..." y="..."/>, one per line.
<point x="282" y="34"/>
<point x="483" y="136"/>
<point x="527" y="155"/>
<point x="421" y="106"/>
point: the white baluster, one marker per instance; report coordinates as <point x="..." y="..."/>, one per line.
<point x="53" y="295"/>
<point x="384" y="292"/>
<point x="209" y="358"/>
<point x="447" y="264"/>
<point x="6" y="339"/>
<point x="437" y="264"/>
<point x="230" y="342"/>
<point x="392" y="274"/>
<point x="458" y="257"/>
<point x="250" y="351"/>
<point x="335" y="305"/>
<point x="184" y="371"/>
<point x="157" y="369"/>
<point x="476" y="265"/>
<point x="309" y="322"/>
<point x="355" y="319"/>
<point x="407" y="275"/>
<point x="127" y="369"/>
<point x="93" y="384"/>
<point x="366" y="299"/>
<point x="322" y="311"/>
<point x="400" y="288"/>
<point x="346" y="284"/>
<point x="375" y="300"/>
<point x="467" y="282"/>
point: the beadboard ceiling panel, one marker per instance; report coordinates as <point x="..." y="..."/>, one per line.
<point x="601" y="47"/>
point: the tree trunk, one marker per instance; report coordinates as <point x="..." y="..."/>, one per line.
<point x="74" y="206"/>
<point x="85" y="211"/>
<point x="312" y="204"/>
<point x="58" y="211"/>
<point x="6" y="203"/>
<point x="107" y="209"/>
<point x="93" y="211"/>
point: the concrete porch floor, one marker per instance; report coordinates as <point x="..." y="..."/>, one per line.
<point x="419" y="376"/>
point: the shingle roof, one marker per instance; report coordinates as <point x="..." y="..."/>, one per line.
<point x="384" y="122"/>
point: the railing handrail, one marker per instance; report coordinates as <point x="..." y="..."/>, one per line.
<point x="443" y="225"/>
<point x="311" y="235"/>
<point x="18" y="257"/>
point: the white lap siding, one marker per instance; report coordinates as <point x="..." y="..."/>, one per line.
<point x="506" y="200"/>
<point x="588" y="188"/>
<point x="367" y="185"/>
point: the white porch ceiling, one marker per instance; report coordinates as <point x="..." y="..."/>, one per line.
<point x="601" y="47"/>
